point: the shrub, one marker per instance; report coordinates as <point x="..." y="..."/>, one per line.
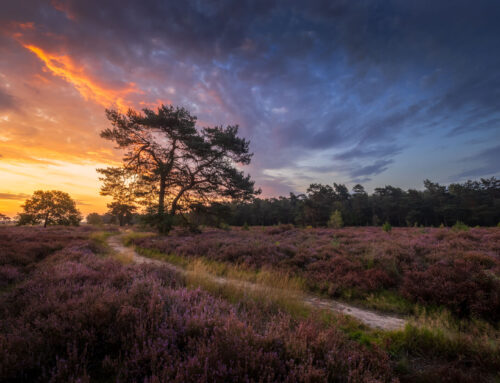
<point x="387" y="227"/>
<point x="336" y="220"/>
<point x="460" y="285"/>
<point x="460" y="226"/>
<point x="281" y="228"/>
<point x="224" y="226"/>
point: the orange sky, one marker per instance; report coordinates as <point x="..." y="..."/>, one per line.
<point x="52" y="141"/>
<point x="52" y="109"/>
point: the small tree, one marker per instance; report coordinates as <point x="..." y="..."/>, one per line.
<point x="94" y="219"/>
<point x="4" y="218"/>
<point x="122" y="211"/>
<point x="51" y="207"/>
<point x="387" y="227"/>
<point x="121" y="184"/>
<point x="336" y="220"/>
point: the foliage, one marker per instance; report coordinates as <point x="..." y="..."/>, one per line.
<point x="4" y="218"/>
<point x="124" y="186"/>
<point x="94" y="219"/>
<point x="387" y="227"/>
<point x="460" y="226"/>
<point x="336" y="221"/>
<point x="473" y="202"/>
<point x="463" y="285"/>
<point x="52" y="207"/>
<point x="122" y="211"/>
<point x="179" y="164"/>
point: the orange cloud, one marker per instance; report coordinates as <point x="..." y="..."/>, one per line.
<point x="64" y="67"/>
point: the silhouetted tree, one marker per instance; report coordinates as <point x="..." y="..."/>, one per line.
<point x="122" y="211"/>
<point x="94" y="219"/>
<point x="4" y="218"/>
<point x="125" y="187"/>
<point x="52" y="207"/>
<point x="472" y="202"/>
<point x="182" y="165"/>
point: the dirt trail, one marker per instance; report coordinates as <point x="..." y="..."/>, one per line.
<point x="370" y="318"/>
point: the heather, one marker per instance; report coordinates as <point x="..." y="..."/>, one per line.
<point x="22" y="247"/>
<point x="79" y="315"/>
<point x="398" y="269"/>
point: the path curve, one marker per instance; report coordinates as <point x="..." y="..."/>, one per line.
<point x="370" y="318"/>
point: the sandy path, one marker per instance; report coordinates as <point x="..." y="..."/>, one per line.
<point x="370" y="318"/>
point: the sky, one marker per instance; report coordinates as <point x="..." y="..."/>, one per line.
<point x="373" y="92"/>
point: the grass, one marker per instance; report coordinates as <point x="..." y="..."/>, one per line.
<point x="129" y="238"/>
<point x="99" y="239"/>
<point x="389" y="301"/>
<point x="265" y="277"/>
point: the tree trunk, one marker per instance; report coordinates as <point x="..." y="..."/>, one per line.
<point x="161" y="202"/>
<point x="178" y="196"/>
<point x="46" y="220"/>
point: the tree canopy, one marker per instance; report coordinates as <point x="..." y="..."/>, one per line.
<point x="471" y="202"/>
<point x="177" y="164"/>
<point x="51" y="207"/>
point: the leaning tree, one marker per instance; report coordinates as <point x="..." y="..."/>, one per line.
<point x="181" y="164"/>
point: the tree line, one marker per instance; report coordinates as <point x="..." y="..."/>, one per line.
<point x="472" y="202"/>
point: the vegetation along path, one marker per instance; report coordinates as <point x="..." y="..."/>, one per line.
<point x="368" y="317"/>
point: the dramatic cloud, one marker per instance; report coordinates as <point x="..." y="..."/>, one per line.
<point x="325" y="90"/>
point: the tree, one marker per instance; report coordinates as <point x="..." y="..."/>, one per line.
<point x="51" y="207"/>
<point x="94" y="219"/>
<point x="124" y="186"/>
<point x="336" y="220"/>
<point x="122" y="211"/>
<point x="4" y="218"/>
<point x="181" y="165"/>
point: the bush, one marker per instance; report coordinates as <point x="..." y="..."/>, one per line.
<point x="224" y="226"/>
<point x="336" y="220"/>
<point x="460" y="285"/>
<point x="460" y="226"/>
<point x="387" y="227"/>
<point x="163" y="223"/>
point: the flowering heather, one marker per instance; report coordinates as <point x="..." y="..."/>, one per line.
<point x="22" y="247"/>
<point x="456" y="269"/>
<point x="80" y="317"/>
